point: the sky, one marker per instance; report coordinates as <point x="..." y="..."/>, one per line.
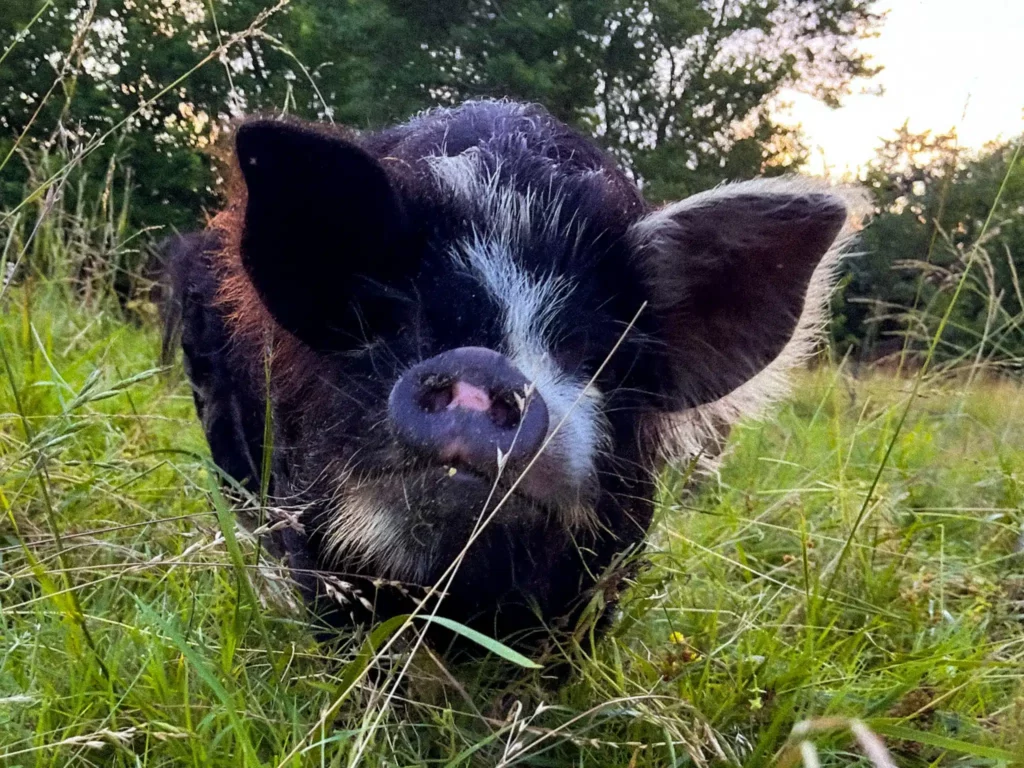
<point x="948" y="63"/>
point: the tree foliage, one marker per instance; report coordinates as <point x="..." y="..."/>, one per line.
<point x="680" y="89"/>
<point x="944" y="216"/>
<point x="131" y="97"/>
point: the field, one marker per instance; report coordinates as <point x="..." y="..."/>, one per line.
<point x="851" y="574"/>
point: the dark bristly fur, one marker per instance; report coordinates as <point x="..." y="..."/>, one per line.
<point x="349" y="258"/>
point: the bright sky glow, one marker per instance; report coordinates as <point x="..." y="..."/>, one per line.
<point x="948" y="63"/>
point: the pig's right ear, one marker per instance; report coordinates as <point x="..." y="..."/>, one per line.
<point x="320" y="212"/>
<point x="734" y="277"/>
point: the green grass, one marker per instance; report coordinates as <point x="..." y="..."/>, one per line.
<point x="129" y="635"/>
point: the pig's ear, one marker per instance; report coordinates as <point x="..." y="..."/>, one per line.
<point x="729" y="274"/>
<point x="320" y="212"/>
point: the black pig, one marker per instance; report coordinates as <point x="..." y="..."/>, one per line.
<point x="476" y="327"/>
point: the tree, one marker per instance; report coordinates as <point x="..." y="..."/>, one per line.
<point x="680" y="90"/>
<point x="941" y="212"/>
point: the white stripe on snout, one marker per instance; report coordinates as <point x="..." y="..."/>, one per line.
<point x="527" y="308"/>
<point x="528" y="305"/>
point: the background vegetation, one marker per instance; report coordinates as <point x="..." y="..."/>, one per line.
<point x="111" y="100"/>
<point x="858" y="557"/>
<point x="847" y="564"/>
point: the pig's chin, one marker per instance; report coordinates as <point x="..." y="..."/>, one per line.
<point x="411" y="527"/>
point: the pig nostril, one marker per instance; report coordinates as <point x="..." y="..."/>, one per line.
<point x="435" y="393"/>
<point x="465" y="404"/>
<point x="505" y="412"/>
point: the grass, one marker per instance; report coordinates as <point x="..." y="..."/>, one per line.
<point x="138" y="629"/>
<point x="850" y="576"/>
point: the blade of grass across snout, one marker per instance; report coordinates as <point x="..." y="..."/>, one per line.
<point x="207" y="676"/>
<point x="268" y="445"/>
<point x="268" y="448"/>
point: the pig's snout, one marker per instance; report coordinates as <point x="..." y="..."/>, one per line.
<point x="467" y="404"/>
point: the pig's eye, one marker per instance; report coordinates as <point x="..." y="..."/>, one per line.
<point x="375" y="308"/>
<point x="573" y="352"/>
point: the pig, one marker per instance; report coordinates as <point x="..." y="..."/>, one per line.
<point x="481" y="345"/>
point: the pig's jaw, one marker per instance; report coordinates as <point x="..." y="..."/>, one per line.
<point x="409" y="527"/>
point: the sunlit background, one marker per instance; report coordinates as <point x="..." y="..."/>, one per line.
<point x="948" y="64"/>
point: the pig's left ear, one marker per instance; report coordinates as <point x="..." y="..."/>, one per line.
<point x="729" y="274"/>
<point x="320" y="213"/>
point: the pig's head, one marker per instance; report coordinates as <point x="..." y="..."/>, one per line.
<point x="481" y="330"/>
